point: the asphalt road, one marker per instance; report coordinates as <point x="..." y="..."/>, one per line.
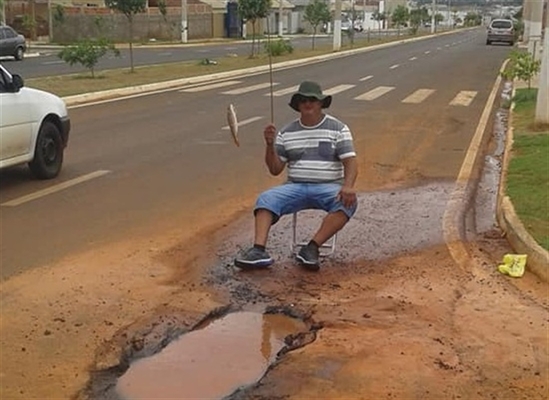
<point x="165" y="159"/>
<point x="49" y="64"/>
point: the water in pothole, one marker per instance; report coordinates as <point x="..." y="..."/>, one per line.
<point x="211" y="362"/>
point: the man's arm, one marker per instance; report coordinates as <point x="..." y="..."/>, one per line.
<point x="273" y="161"/>
<point x="350" y="171"/>
<point x="347" y="194"/>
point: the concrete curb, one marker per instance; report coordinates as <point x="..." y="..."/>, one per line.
<point x="85" y="98"/>
<point x="517" y="235"/>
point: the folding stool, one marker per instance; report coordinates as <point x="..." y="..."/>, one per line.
<point x="329" y="246"/>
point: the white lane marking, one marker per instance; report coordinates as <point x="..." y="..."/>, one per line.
<point x="283" y="92"/>
<point x="428" y="51"/>
<point x="375" y="93"/>
<point x="53" y="62"/>
<point x="338" y="89"/>
<point x="248" y="89"/>
<point x="54" y="188"/>
<point x="447" y="45"/>
<point x="394" y="66"/>
<point x="164" y="54"/>
<point x="244" y="122"/>
<point x="412" y="58"/>
<point x="418" y="96"/>
<point x="366" y="78"/>
<point x="439" y="48"/>
<point x="211" y="86"/>
<point x="463" y="98"/>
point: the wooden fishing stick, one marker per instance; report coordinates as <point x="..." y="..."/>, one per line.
<point x="270" y="67"/>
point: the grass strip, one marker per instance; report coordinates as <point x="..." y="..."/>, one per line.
<point x="527" y="181"/>
<point x="72" y="84"/>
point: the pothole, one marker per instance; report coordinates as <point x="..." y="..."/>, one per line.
<point x="217" y="358"/>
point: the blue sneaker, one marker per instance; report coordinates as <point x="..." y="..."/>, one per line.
<point x="253" y="258"/>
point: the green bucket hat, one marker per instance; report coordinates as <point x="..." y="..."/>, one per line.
<point x="310" y="89"/>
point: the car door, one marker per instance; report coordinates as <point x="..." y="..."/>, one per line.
<point x="3" y="42"/>
<point x="10" y="39"/>
<point x="15" y="121"/>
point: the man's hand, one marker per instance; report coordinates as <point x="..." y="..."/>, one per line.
<point x="270" y="134"/>
<point x="347" y="196"/>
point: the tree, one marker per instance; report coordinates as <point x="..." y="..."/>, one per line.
<point x="416" y="19"/>
<point x="400" y="17"/>
<point x="129" y="8"/>
<point x="379" y="17"/>
<point x="252" y="10"/>
<point x="87" y="53"/>
<point x="317" y="12"/>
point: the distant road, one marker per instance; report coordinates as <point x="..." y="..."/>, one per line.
<point x="48" y="64"/>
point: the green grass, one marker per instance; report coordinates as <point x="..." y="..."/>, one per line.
<point x="528" y="174"/>
<point x="66" y="85"/>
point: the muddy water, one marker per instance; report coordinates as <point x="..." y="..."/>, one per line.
<point x="211" y="362"/>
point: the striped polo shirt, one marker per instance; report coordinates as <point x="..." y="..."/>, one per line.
<point x="314" y="153"/>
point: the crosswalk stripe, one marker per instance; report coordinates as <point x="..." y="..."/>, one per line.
<point x="412" y="58"/>
<point x="248" y="89"/>
<point x="375" y="93"/>
<point x="366" y="78"/>
<point x="338" y="89"/>
<point x="243" y="122"/>
<point x="283" y="92"/>
<point x="418" y="96"/>
<point x="394" y="66"/>
<point x="463" y="98"/>
<point x="211" y="86"/>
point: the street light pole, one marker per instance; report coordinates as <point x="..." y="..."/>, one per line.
<point x="280" y="24"/>
<point x="50" y="23"/>
<point x="184" y="28"/>
<point x="337" y="25"/>
<point x="542" y="102"/>
<point x="433" y="11"/>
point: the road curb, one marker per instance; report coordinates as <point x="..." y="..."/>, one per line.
<point x="517" y="235"/>
<point x="85" y="98"/>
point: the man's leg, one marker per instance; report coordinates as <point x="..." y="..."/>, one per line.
<point x="325" y="198"/>
<point x="263" y="223"/>
<point x="331" y="224"/>
<point x="270" y="205"/>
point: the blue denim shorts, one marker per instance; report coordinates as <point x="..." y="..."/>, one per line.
<point x="293" y="197"/>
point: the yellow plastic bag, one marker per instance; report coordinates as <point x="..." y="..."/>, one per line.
<point x="513" y="265"/>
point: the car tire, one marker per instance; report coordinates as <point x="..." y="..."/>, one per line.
<point x="19" y="53"/>
<point x="488" y="43"/>
<point x="48" y="154"/>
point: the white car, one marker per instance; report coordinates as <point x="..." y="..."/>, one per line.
<point x="34" y="127"/>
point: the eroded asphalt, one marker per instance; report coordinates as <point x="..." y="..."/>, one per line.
<point x="391" y="314"/>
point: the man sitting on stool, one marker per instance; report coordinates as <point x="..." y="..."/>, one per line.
<point x="322" y="171"/>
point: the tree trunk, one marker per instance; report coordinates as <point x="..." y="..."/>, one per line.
<point x="130" y="20"/>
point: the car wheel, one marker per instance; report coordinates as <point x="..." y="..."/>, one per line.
<point x="19" y="53"/>
<point x="488" y="43"/>
<point x="48" y="154"/>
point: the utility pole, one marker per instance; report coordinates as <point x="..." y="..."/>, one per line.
<point x="337" y="26"/>
<point x="280" y="23"/>
<point x="3" y="20"/>
<point x="535" y="28"/>
<point x="526" y="11"/>
<point x="433" y="12"/>
<point x="542" y="102"/>
<point x="184" y="28"/>
<point x="50" y="23"/>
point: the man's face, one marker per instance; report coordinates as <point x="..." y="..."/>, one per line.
<point x="310" y="106"/>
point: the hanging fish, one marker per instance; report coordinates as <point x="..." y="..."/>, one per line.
<point x="233" y="123"/>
